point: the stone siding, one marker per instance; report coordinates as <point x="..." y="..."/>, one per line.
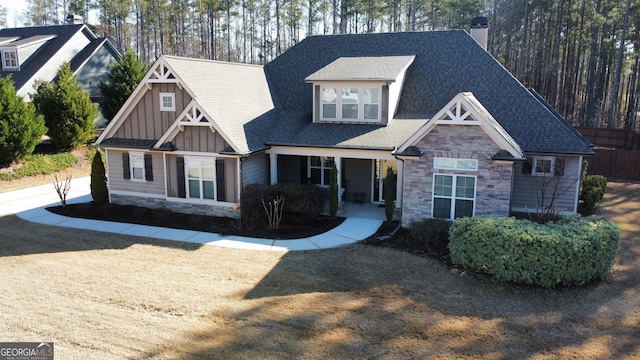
<point x="181" y="207"/>
<point x="494" y="179"/>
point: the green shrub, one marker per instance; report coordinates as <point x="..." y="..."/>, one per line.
<point x="573" y="251"/>
<point x="20" y="128"/>
<point x="592" y="190"/>
<point x="432" y="234"/>
<point x="333" y="191"/>
<point x="99" y="191"/>
<point x="389" y="194"/>
<point x="302" y="199"/>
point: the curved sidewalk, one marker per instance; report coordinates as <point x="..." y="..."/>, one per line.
<point x="29" y="204"/>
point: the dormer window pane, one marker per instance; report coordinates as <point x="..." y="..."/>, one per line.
<point x="371" y="103"/>
<point x="329" y="97"/>
<point x="350" y="103"/>
<point x="10" y="59"/>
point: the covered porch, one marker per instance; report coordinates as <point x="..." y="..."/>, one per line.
<point x="361" y="173"/>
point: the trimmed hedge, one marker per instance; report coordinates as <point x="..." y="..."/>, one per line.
<point x="301" y="199"/>
<point x="593" y="189"/>
<point x="432" y="234"/>
<point x="571" y="252"/>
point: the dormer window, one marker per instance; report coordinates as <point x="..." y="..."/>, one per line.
<point x="10" y="60"/>
<point x="358" y="89"/>
<point x="351" y="103"/>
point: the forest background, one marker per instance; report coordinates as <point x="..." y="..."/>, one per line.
<point x="582" y="56"/>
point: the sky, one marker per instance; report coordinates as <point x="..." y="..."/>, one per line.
<point x="15" y="10"/>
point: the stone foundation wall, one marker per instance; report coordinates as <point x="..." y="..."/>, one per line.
<point x="181" y="207"/>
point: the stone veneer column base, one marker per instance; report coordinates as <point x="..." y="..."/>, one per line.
<point x="176" y="206"/>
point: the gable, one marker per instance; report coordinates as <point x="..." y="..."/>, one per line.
<point x="465" y="110"/>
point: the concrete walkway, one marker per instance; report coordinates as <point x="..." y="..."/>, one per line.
<point x="29" y="204"/>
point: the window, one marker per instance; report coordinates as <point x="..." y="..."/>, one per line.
<point x="136" y="164"/>
<point x="10" y="60"/>
<point x="544" y="166"/>
<point x="453" y="196"/>
<point x="319" y="170"/>
<point x="200" y="178"/>
<point x="167" y="102"/>
<point x="455" y="164"/>
<point x="350" y="103"/>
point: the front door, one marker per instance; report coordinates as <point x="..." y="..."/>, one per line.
<point x="379" y="169"/>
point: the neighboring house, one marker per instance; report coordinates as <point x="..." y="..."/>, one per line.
<point x="36" y="53"/>
<point x="461" y="134"/>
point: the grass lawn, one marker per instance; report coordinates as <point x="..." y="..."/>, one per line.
<point x="106" y="296"/>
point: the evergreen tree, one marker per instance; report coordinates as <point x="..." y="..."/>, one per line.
<point x="20" y="128"/>
<point x="99" y="191"/>
<point x="67" y="109"/>
<point x="123" y="77"/>
<point x="389" y="194"/>
<point x="333" y="191"/>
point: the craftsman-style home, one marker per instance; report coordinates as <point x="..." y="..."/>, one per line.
<point x="461" y="134"/>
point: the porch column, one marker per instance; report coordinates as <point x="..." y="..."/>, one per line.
<point x="273" y="168"/>
<point x="399" y="183"/>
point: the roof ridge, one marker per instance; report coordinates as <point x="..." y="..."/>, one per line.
<point x="188" y="58"/>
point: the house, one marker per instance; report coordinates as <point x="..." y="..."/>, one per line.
<point x="462" y="135"/>
<point x="36" y="53"/>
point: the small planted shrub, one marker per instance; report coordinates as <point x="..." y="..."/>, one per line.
<point x="570" y="252"/>
<point x="252" y="211"/>
<point x="432" y="234"/>
<point x="99" y="191"/>
<point x="592" y="190"/>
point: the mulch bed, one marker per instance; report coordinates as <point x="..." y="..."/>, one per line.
<point x="290" y="228"/>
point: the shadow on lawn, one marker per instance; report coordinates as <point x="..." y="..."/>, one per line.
<point x="366" y="302"/>
<point x="17" y="239"/>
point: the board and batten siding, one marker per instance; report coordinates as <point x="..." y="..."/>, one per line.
<point x="117" y="182"/>
<point x="255" y="169"/>
<point x="199" y="139"/>
<point x="146" y="121"/>
<point x="525" y="196"/>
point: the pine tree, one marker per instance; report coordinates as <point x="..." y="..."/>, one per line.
<point x="123" y="77"/>
<point x="20" y="128"/>
<point x="99" y="191"/>
<point x="67" y="109"/>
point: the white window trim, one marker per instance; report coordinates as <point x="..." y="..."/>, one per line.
<point x="322" y="168"/>
<point x="361" y="103"/>
<point x="139" y="155"/>
<point x="4" y="60"/>
<point x="440" y="163"/>
<point x="173" y="101"/>
<point x="186" y="179"/>
<point x="534" y="167"/>
<point x="453" y="196"/>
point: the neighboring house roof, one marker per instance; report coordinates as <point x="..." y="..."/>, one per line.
<point x="59" y="45"/>
<point x="382" y="68"/>
<point x="446" y="63"/>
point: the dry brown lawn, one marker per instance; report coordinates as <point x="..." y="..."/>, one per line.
<point x="103" y="296"/>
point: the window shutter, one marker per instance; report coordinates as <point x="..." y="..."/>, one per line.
<point x="148" y="167"/>
<point x="182" y="192"/>
<point x="559" y="167"/>
<point x="527" y="167"/>
<point x="126" y="169"/>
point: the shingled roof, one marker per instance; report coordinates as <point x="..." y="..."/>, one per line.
<point x="446" y="63"/>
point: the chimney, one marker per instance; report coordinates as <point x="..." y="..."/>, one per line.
<point x="74" y="19"/>
<point x="480" y="30"/>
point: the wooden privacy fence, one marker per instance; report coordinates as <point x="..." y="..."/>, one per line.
<point x="617" y="163"/>
<point x="619" y="139"/>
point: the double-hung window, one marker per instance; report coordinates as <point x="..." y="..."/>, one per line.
<point x="10" y="60"/>
<point x="350" y="103"/>
<point x="544" y="166"/>
<point x="201" y="176"/>
<point x="136" y="165"/>
<point x="319" y="170"/>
